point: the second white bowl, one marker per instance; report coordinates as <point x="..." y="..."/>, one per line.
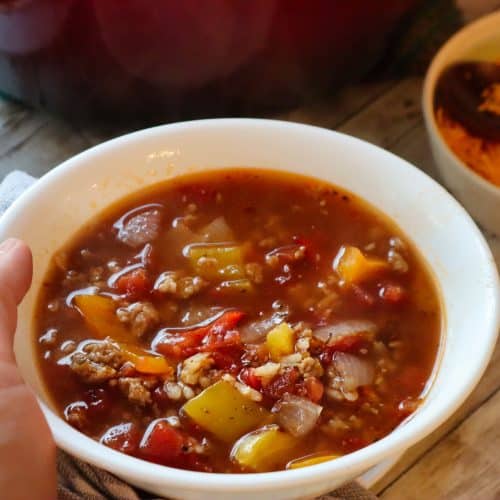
<point x="481" y="198"/>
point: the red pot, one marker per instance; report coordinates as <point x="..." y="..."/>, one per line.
<point x="169" y="59"/>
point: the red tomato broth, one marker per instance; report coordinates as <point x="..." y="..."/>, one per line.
<point x="300" y="223"/>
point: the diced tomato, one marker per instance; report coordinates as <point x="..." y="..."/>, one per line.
<point x="314" y="388"/>
<point x="248" y="377"/>
<point x="122" y="437"/>
<point x="227" y="359"/>
<point x="349" y="343"/>
<point x="280" y="385"/>
<point x="161" y="443"/>
<point x="135" y="284"/>
<point x="392" y="293"/>
<point x="209" y="338"/>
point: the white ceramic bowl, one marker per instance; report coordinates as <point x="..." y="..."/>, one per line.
<point x="479" y="41"/>
<point x="66" y="197"/>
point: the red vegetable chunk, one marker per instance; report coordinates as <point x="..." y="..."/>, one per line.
<point x="161" y="443"/>
<point x="122" y="437"/>
<point x="134" y="284"/>
<point x="209" y="338"/>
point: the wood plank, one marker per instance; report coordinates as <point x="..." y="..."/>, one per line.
<point x="52" y="143"/>
<point x="17" y="124"/>
<point x="47" y="141"/>
<point x="465" y="465"/>
<point x="332" y="111"/>
<point x="389" y="117"/>
<point x="489" y="385"/>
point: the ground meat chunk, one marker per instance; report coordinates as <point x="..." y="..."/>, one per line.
<point x="97" y="362"/>
<point x="177" y="391"/>
<point x="267" y="372"/>
<point x="304" y="336"/>
<point x="311" y="367"/>
<point x="137" y="390"/>
<point x="304" y="363"/>
<point x="182" y="287"/>
<point x="141" y="316"/>
<point x="141" y="228"/>
<point x="167" y="283"/>
<point x="195" y="367"/>
<point x="191" y="285"/>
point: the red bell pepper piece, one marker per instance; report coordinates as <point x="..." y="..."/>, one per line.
<point x="208" y="338"/>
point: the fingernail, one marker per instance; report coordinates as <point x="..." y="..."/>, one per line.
<point x="7" y="245"/>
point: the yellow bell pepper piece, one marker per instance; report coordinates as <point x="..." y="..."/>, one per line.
<point x="280" y="341"/>
<point x="144" y="362"/>
<point x="306" y="462"/>
<point x="152" y="365"/>
<point x="222" y="410"/>
<point x="353" y="266"/>
<point x="99" y="313"/>
<point x="264" y="449"/>
<point x="227" y="261"/>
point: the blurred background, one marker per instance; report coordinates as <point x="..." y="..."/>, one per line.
<point x="150" y="61"/>
<point x="76" y="72"/>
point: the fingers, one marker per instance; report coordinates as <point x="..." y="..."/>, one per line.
<point x="15" y="268"/>
<point x="15" y="278"/>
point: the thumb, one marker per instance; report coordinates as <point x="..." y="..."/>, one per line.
<point x="15" y="278"/>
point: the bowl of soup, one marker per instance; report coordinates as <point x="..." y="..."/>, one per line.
<point x="248" y="307"/>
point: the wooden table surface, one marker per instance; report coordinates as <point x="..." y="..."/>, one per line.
<point x="462" y="458"/>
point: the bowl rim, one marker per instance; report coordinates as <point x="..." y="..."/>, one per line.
<point x="436" y="66"/>
<point x="352" y="464"/>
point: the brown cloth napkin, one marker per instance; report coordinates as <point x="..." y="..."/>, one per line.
<point x="78" y="480"/>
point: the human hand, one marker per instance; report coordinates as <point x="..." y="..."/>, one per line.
<point x="27" y="451"/>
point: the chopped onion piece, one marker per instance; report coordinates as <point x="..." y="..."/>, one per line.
<point x="140" y="228"/>
<point x="351" y="371"/>
<point x="179" y="236"/>
<point x="297" y="415"/>
<point x="330" y="333"/>
<point x="217" y="231"/>
<point x="196" y="314"/>
<point x="255" y="331"/>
